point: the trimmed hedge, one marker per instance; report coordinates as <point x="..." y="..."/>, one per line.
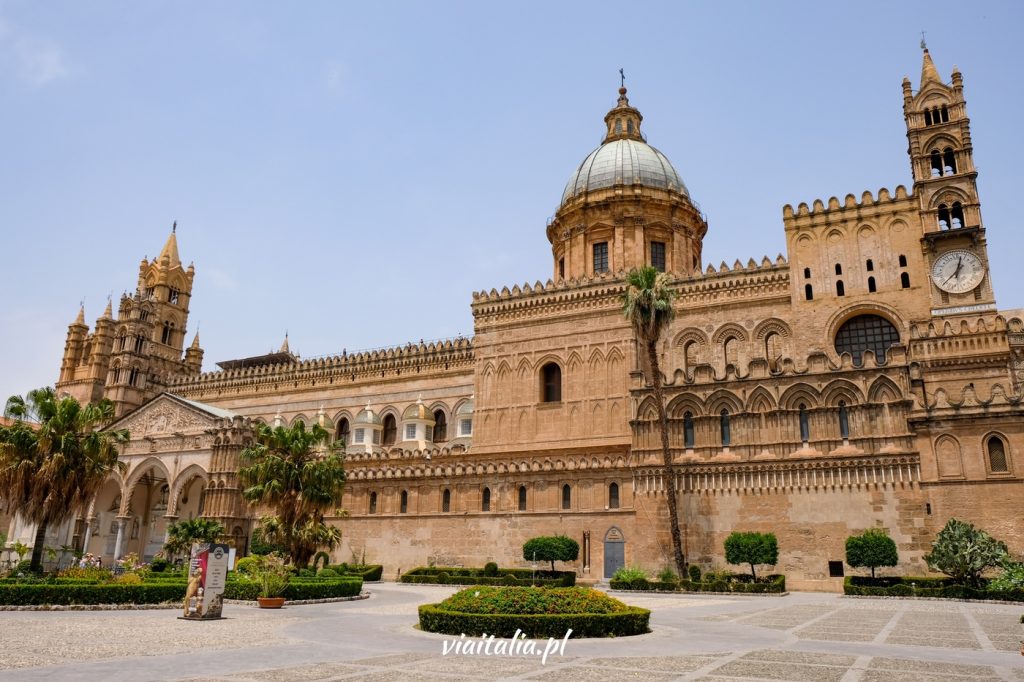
<point x="923" y="587"/>
<point x="369" y="573"/>
<point x="443" y="575"/>
<point x="156" y="592"/>
<point x="739" y="583"/>
<point x="633" y="621"/>
<point x="644" y="584"/>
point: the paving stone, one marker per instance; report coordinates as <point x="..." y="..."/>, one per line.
<point x="406" y="676"/>
<point x="669" y="664"/>
<point x="486" y="667"/>
<point x="935" y="667"/>
<point x="388" y="660"/>
<point x="781" y="671"/>
<point x="790" y="656"/>
<point x="588" y="674"/>
<point x="320" y="671"/>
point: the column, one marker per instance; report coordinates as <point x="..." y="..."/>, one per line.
<point x="89" y="521"/>
<point x="120" y="536"/>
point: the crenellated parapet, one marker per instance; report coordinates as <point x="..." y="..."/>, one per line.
<point x="818" y="215"/>
<point x="424" y="357"/>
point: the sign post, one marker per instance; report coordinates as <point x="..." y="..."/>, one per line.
<point x="207" y="575"/>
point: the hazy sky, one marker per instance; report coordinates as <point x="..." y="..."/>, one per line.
<point x="351" y="172"/>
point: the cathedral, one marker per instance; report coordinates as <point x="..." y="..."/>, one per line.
<point x="866" y="379"/>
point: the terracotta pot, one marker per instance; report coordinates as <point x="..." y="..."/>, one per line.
<point x="270" y="602"/>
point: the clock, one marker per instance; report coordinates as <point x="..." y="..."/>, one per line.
<point x="958" y="271"/>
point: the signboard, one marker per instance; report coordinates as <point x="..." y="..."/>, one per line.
<point x="207" y="574"/>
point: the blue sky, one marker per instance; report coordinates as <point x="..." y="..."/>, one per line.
<point x="352" y="172"/>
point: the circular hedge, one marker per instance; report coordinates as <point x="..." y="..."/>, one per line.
<point x="534" y="612"/>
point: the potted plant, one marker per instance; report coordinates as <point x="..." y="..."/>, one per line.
<point x="272" y="576"/>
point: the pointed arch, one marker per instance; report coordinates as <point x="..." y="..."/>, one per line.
<point x="681" y="404"/>
<point x="181" y="483"/>
<point x="948" y="457"/>
<point x="723" y="400"/>
<point x="884" y="390"/>
<point x="648" y="409"/>
<point x="730" y="329"/>
<point x="761" y="400"/>
<point x="841" y="390"/>
<point x="800" y="393"/>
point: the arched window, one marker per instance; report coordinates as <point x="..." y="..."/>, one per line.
<point x="551" y="383"/>
<point x="440" y="427"/>
<point x="618" y="125"/>
<point x="945" y="114"/>
<point x="373" y="503"/>
<point x="905" y="280"/>
<point x="997" y="463"/>
<point x="165" y="337"/>
<point x="404" y="502"/>
<point x="927" y="117"/>
<point x="343" y="430"/>
<point x="840" y="289"/>
<point x="943" y="217"/>
<point x="731" y="350"/>
<point x="807" y="273"/>
<point x="936" y="158"/>
<point x="808" y="292"/>
<point x="866" y="332"/>
<point x="139" y="341"/>
<point x="957" y="215"/>
<point x="949" y="162"/>
<point x="805" y="427"/>
<point x="485" y="500"/>
<point x="446" y="500"/>
<point x="690" y="354"/>
<point x="871" y="285"/>
<point x="133" y="376"/>
<point x="522" y="498"/>
<point x="629" y="125"/>
<point x="772" y="350"/>
<point x="613" y="496"/>
<point x="903" y="261"/>
<point x="688" y="430"/>
<point x="723" y="425"/>
<point x="566" y="497"/>
<point x="390" y="430"/>
<point x="839" y="269"/>
<point x="870" y="265"/>
<point x="844" y="421"/>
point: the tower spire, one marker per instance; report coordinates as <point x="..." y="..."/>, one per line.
<point x="928" y="70"/>
<point x="623" y="120"/>
<point x="284" y="346"/>
<point x="170" y="250"/>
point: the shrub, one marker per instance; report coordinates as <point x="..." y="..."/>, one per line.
<point x="159" y="565"/>
<point x="442" y="577"/>
<point x="327" y="573"/>
<point x="694" y="571"/>
<point x="964" y="552"/>
<point x="272" y="576"/>
<point x="475" y="576"/>
<point x="322" y="557"/>
<point x="129" y="579"/>
<point x="551" y="548"/>
<point x="536" y="612"/>
<point x="86" y="573"/>
<point x="871" y="549"/>
<point x="667" y="575"/>
<point x="752" y="549"/>
<point x="1011" y="578"/>
<point x="490" y="569"/>
<point x="91" y="593"/>
<point x="247" y="565"/>
<point x="297" y="588"/>
<point x="771" y="584"/>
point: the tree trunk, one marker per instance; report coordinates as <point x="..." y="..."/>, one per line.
<point x="872" y="572"/>
<point x="37" y="547"/>
<point x="666" y="451"/>
<point x="753" y="574"/>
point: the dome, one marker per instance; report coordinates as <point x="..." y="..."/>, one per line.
<point x="368" y="416"/>
<point x="465" y="409"/>
<point x="623" y="161"/>
<point x="418" y="411"/>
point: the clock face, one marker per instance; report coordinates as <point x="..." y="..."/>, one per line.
<point x="958" y="271"/>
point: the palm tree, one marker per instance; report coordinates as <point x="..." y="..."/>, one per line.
<point x="181" y="535"/>
<point x="299" y="475"/>
<point x="54" y="467"/>
<point x="647" y="304"/>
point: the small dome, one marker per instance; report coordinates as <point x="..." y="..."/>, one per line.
<point x="368" y="416"/>
<point x="418" y="411"/>
<point x="323" y="421"/>
<point x="623" y="162"/>
<point x="465" y="409"/>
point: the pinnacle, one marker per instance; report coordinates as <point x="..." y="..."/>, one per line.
<point x="170" y="250"/>
<point x="928" y="70"/>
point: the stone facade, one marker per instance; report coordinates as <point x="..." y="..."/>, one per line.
<point x="867" y="379"/>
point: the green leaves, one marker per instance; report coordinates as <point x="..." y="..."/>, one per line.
<point x="647" y="302"/>
<point x="551" y="548"/>
<point x="964" y="552"/>
<point x="871" y="549"/>
<point x="182" y="535"/>
<point x="752" y="549"/>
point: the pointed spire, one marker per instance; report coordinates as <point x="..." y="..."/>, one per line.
<point x="81" y="314"/>
<point x="928" y="70"/>
<point x="195" y="341"/>
<point x="284" y="346"/>
<point x="170" y="250"/>
<point x="108" y="313"/>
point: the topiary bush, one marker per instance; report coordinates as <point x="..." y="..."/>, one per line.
<point x="327" y="573"/>
<point x="490" y="569"/>
<point x="551" y="548"/>
<point x="871" y="549"/>
<point x="752" y="549"/>
<point x="247" y="565"/>
<point x="534" y="612"/>
<point x="321" y="558"/>
<point x="694" y="572"/>
<point x="475" y="576"/>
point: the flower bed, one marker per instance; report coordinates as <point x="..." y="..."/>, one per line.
<point x="911" y="586"/>
<point x="511" y="577"/>
<point x="535" y="612"/>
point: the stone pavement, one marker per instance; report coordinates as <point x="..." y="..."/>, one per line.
<point x="802" y="637"/>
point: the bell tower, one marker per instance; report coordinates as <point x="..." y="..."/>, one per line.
<point x="945" y="184"/>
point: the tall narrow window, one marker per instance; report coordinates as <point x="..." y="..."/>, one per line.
<point x="404" y="502"/>
<point x="172" y="296"/>
<point x="844" y="421"/>
<point x="690" y="355"/>
<point x="390" y="430"/>
<point x="373" y="503"/>
<point x="840" y="289"/>
<point x="927" y="117"/>
<point x="870" y="265"/>
<point x="871" y="285"/>
<point x="688" y="438"/>
<point x="945" y="114"/>
<point x="139" y="341"/>
<point x="805" y="427"/>
<point x="485" y="500"/>
<point x="839" y="269"/>
<point x="601" y="257"/>
<point x="613" y="496"/>
<point x="905" y="280"/>
<point x="949" y="162"/>
<point x="807" y="273"/>
<point x="658" y="256"/>
<point x="360" y="436"/>
<point x="561" y="268"/>
<point x="343" y="430"/>
<point x="808" y="292"/>
<point x="446" y="500"/>
<point x="522" y="498"/>
<point x="997" y="463"/>
<point x="772" y="350"/>
<point x="551" y="383"/>
<point x="566" y="497"/>
<point x="936" y="158"/>
<point x="903" y="261"/>
<point x="133" y="376"/>
<point x="165" y="336"/>
<point x="957" y="215"/>
<point x="723" y="425"/>
<point x="731" y="349"/>
<point x="440" y="427"/>
<point x="410" y="432"/>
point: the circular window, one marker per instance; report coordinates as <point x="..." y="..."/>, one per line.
<point x="866" y="332"/>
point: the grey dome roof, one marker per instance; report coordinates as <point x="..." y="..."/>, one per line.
<point x="623" y="162"/>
